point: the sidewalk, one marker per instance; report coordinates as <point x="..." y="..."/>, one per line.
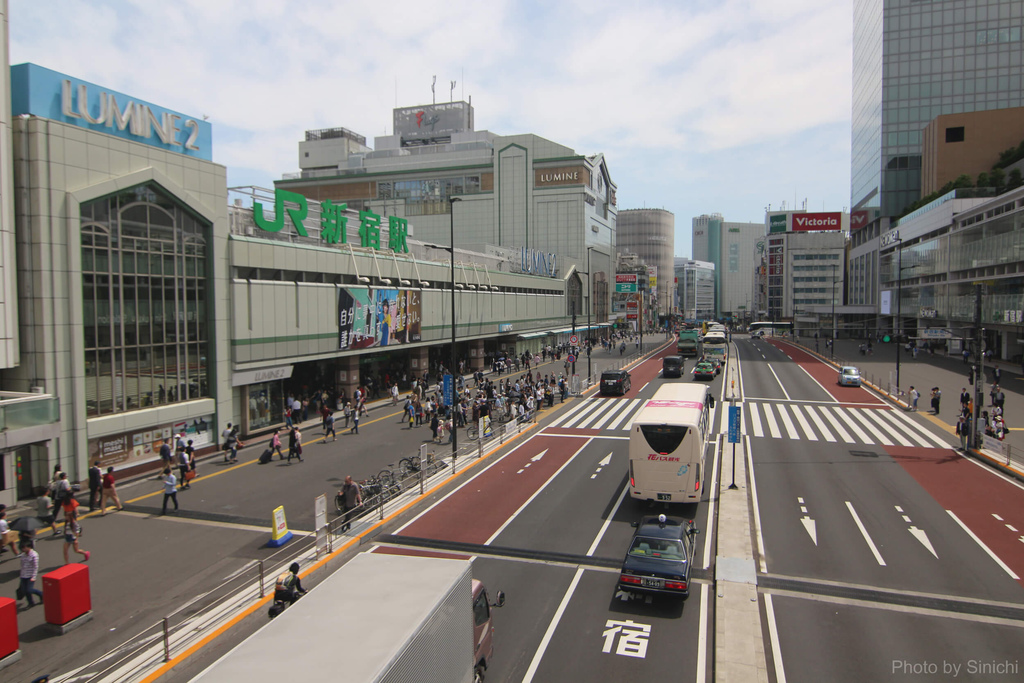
<point x="927" y="371"/>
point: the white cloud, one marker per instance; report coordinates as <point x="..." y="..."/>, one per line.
<point x="675" y="94"/>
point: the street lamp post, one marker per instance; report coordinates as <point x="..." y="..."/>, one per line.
<point x="832" y="346"/>
<point x="455" y="388"/>
<point x="590" y="304"/>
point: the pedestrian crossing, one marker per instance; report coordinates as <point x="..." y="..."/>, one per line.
<point x="820" y="422"/>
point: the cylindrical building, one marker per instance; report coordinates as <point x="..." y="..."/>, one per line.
<point x="650" y="234"/>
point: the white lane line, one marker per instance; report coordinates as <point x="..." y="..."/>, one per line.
<point x="799" y="415"/>
<point x="772" y="424"/>
<point x="711" y="504"/>
<point x="844" y="415"/>
<point x="826" y="391"/>
<point x="821" y="423"/>
<point x="539" y="654"/>
<point x="773" y="634"/>
<point x="702" y="635"/>
<point x="790" y="427"/>
<point x="755" y="420"/>
<point x="864" y="533"/>
<point x="784" y="392"/>
<point x="607" y="522"/>
<point x="984" y="547"/>
<point x="537" y="493"/>
<point x="757" y="511"/>
<point x="843" y="434"/>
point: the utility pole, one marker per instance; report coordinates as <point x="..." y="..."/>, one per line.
<point x="979" y="367"/>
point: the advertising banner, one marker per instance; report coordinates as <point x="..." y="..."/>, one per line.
<point x="808" y="222"/>
<point x="143" y="445"/>
<point x="858" y="219"/>
<point x="625" y="277"/>
<point x="886" y="302"/>
<point x="378" y="317"/>
<point x="778" y="223"/>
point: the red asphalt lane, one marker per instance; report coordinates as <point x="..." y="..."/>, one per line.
<point x="826" y="376"/>
<point x="974" y="495"/>
<point x="478" y="509"/>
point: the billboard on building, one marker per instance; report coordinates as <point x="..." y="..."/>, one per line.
<point x="378" y="317"/>
<point x="778" y="222"/>
<point x="433" y="120"/>
<point x="858" y="219"/>
<point x="138" y="446"/>
<point x="809" y="222"/>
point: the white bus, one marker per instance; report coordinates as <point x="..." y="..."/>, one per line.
<point x="667" y="440"/>
<point x="716" y="344"/>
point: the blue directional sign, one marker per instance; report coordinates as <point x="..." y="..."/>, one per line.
<point x="734" y="424"/>
<point x="447" y="390"/>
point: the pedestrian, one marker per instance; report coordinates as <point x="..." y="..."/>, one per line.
<point x="294" y="445"/>
<point x="970" y="375"/>
<point x="61" y="492"/>
<point x="936" y="399"/>
<point x="72" y="530"/>
<point x="352" y="498"/>
<point x="165" y="453"/>
<point x="394" y="394"/>
<point x="997" y="375"/>
<point x="232" y="445"/>
<point x="190" y="453"/>
<point x="355" y="422"/>
<point x="434" y="424"/>
<point x="225" y="437"/>
<point x="914" y="396"/>
<point x="275" y="445"/>
<point x="109" y="491"/>
<point x="95" y="485"/>
<point x="967" y="355"/>
<point x="993" y="392"/>
<point x="965" y="398"/>
<point x="29" y="571"/>
<point x="347" y="412"/>
<point x="44" y="509"/>
<point x="329" y="428"/>
<point x="963" y="431"/>
<point x="183" y="468"/>
<point x="999" y="399"/>
<point x="170" y="490"/>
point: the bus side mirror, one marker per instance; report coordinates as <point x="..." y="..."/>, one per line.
<point x="711" y="401"/>
<point x="499" y="599"/>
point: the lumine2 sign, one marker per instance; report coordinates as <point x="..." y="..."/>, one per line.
<point x="333" y="222"/>
<point x="51" y="95"/>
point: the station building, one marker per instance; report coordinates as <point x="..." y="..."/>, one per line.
<point x="145" y="306"/>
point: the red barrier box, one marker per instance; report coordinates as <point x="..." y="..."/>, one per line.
<point x="8" y="627"/>
<point x="66" y="593"/>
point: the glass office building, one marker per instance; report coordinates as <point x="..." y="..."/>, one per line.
<point x="913" y="61"/>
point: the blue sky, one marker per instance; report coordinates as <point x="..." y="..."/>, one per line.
<point x="699" y="106"/>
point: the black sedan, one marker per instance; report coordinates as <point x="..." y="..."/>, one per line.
<point x="659" y="558"/>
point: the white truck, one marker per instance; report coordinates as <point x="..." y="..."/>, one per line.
<point x="381" y="617"/>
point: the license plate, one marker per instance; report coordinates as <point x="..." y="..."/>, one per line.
<point x="664" y="496"/>
<point x="651" y="583"/>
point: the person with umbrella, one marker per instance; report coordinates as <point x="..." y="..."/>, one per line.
<point x="27" y="527"/>
<point x="4" y="529"/>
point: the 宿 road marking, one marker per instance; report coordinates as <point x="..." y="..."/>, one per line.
<point x="604" y="463"/>
<point x="533" y="460"/>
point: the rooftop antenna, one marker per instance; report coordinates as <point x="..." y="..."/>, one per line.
<point x="451" y="92"/>
<point x="433" y="95"/>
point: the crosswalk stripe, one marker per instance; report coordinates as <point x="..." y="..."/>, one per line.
<point x="755" y="420"/>
<point x="598" y="412"/>
<point x="900" y="439"/>
<point x="854" y="426"/>
<point x="582" y="415"/>
<point x="569" y="413"/>
<point x="799" y="415"/>
<point x="619" y="414"/>
<point x="879" y="436"/>
<point x="773" y="426"/>
<point x="843" y="434"/>
<point x="821" y="425"/>
<point x="784" y="416"/>
<point x="629" y="411"/>
<point x="936" y="441"/>
<point x="889" y="416"/>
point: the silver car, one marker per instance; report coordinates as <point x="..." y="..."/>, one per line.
<point x="849" y="376"/>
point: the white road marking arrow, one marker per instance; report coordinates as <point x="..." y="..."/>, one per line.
<point x="811" y="528"/>
<point x="920" y="535"/>
<point x="533" y="460"/>
<point x="625" y="597"/>
<point x="601" y="465"/>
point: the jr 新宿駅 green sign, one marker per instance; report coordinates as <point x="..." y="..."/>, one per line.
<point x="333" y="222"/>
